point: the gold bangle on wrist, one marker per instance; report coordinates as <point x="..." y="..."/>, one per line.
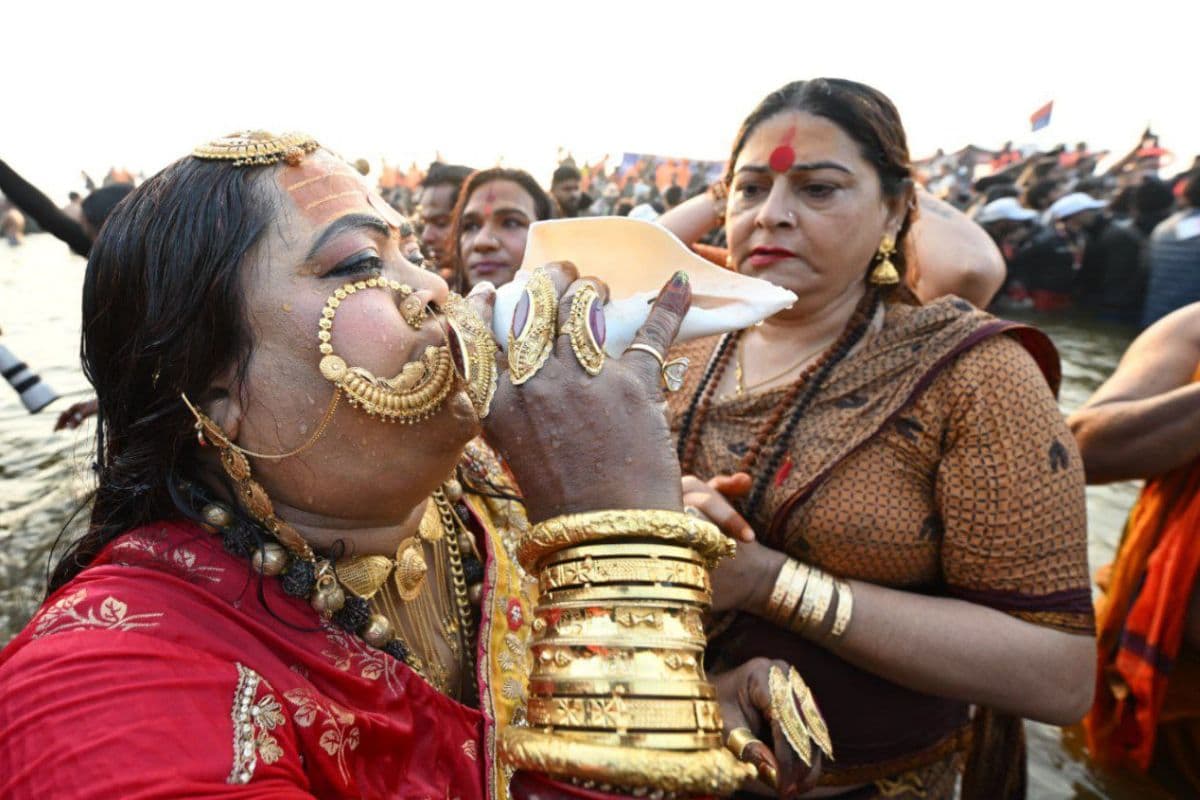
<point x="779" y="592"/>
<point x="795" y="591"/>
<point x="674" y="527"/>
<point x="818" y="597"/>
<point x="845" y="608"/>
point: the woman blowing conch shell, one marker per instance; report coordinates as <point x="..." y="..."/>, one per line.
<point x="288" y="418"/>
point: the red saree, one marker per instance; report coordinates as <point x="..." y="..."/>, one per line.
<point x="159" y="671"/>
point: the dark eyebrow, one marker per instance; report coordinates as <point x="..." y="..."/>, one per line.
<point x="497" y="212"/>
<point x="345" y="223"/>
<point x="510" y="210"/>
<point x="810" y="167"/>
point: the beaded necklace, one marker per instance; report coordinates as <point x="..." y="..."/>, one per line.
<point x="792" y="405"/>
<point x="318" y="579"/>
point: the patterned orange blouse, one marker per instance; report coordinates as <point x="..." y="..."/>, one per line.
<point x="934" y="460"/>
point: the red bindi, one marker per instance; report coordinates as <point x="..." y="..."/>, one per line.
<point x="488" y="200"/>
<point x="782" y="158"/>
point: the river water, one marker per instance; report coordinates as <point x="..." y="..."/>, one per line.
<point x="44" y="476"/>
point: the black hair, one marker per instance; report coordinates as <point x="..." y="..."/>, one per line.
<point x="673" y="195"/>
<point x="162" y="315"/>
<point x="1002" y="190"/>
<point x="1038" y="195"/>
<point x="1191" y="190"/>
<point x="440" y="174"/>
<point x="99" y="204"/>
<point x="565" y="172"/>
<point x="1152" y="196"/>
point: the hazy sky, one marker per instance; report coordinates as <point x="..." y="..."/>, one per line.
<point x="138" y="84"/>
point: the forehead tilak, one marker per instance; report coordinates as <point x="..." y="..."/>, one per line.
<point x="322" y="194"/>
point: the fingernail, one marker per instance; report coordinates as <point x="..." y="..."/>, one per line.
<point x="675" y="294"/>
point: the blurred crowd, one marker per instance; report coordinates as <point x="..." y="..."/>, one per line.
<point x="1120" y="244"/>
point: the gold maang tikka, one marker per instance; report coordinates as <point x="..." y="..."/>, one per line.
<point x="257" y="148"/>
<point x="413" y="395"/>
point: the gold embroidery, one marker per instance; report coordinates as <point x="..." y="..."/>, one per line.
<point x="252" y="723"/>
<point x="348" y="652"/>
<point x="470" y="749"/>
<point x="111" y="614"/>
<point x="181" y="559"/>
<point x="341" y="733"/>
<point x="909" y="783"/>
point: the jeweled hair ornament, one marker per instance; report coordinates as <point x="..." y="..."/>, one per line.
<point x="257" y="148"/>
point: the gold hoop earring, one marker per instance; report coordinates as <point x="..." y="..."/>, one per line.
<point x="885" y="273"/>
<point x="414" y="394"/>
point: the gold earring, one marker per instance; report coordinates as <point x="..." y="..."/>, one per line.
<point x="414" y="394"/>
<point x="729" y="261"/>
<point x="885" y="273"/>
<point x="253" y="496"/>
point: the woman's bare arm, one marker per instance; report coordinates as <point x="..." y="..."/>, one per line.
<point x="942" y="646"/>
<point x="950" y="254"/>
<point x="1145" y="419"/>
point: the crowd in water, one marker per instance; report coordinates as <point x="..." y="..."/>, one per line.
<point x="906" y="498"/>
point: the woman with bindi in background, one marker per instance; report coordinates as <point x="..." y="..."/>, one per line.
<point x="491" y="222"/>
<point x="908" y="500"/>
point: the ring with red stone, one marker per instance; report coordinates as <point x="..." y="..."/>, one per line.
<point x="586" y="327"/>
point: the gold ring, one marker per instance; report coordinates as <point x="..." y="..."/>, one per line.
<point x="531" y="337"/>
<point x="478" y="351"/>
<point x="645" y="348"/>
<point x="585" y="330"/>
<point x="673" y="371"/>
<point x="785" y="712"/>
<point x="812" y="715"/>
<point x="739" y="739"/>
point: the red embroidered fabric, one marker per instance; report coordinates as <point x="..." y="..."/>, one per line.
<point x="160" y="672"/>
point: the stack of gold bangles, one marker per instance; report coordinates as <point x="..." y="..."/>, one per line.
<point x="618" y="694"/>
<point x="803" y="598"/>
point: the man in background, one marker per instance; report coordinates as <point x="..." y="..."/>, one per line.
<point x="435" y="208"/>
<point x="564" y="187"/>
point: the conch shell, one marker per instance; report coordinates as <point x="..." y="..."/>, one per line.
<point x="636" y="258"/>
